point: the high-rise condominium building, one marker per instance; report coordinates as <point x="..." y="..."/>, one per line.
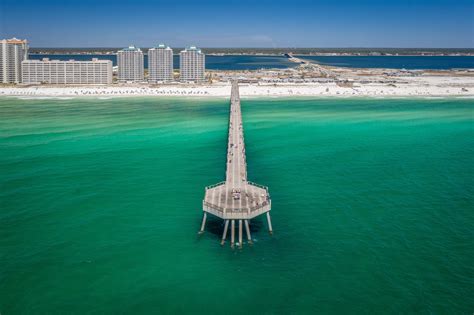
<point x="130" y="65"/>
<point x="12" y="53"/>
<point x="160" y="64"/>
<point x="67" y="72"/>
<point x="192" y="64"/>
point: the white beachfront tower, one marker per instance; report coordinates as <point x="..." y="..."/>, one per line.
<point x="12" y="53"/>
<point x="93" y="71"/>
<point x="160" y="64"/>
<point x="130" y="65"/>
<point x="192" y="64"/>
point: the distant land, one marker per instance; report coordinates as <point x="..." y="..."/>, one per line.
<point x="278" y="51"/>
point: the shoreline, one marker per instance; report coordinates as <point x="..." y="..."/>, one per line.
<point x="249" y="98"/>
<point x="412" y="88"/>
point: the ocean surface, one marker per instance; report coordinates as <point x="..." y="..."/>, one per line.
<point x="396" y="62"/>
<point x="228" y="62"/>
<point x="373" y="207"/>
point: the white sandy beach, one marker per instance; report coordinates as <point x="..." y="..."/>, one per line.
<point x="409" y="86"/>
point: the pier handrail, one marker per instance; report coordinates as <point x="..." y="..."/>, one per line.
<point x="258" y="185"/>
<point x="245" y="209"/>
<point x="261" y="186"/>
<point x="212" y="206"/>
<point x="215" y="185"/>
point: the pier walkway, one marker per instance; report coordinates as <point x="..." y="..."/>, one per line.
<point x="236" y="199"/>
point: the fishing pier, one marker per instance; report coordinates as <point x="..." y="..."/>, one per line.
<point x="236" y="200"/>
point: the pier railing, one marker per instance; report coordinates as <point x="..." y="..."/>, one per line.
<point x="212" y="206"/>
<point x="260" y="186"/>
<point x="246" y="210"/>
<point x="215" y="185"/>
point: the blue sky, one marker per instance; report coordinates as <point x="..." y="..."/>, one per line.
<point x="244" y="23"/>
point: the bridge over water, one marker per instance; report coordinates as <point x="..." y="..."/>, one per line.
<point x="236" y="200"/>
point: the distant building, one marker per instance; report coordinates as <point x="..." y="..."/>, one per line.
<point x="191" y="64"/>
<point x="130" y="65"/>
<point x="12" y="53"/>
<point x="160" y="64"/>
<point x="67" y="72"/>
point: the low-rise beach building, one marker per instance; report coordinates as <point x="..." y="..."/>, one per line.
<point x="48" y="71"/>
<point x="12" y="53"/>
<point x="130" y="64"/>
<point x="192" y="65"/>
<point x="160" y="64"/>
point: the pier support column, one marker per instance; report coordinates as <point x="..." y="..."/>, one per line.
<point x="247" y="229"/>
<point x="270" y="229"/>
<point x="240" y="233"/>
<point x="204" y="217"/>
<point x="232" y="233"/>
<point x="224" y="235"/>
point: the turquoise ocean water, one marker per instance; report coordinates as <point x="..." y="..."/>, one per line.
<point x="100" y="202"/>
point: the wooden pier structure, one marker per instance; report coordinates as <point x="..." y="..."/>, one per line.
<point x="236" y="200"/>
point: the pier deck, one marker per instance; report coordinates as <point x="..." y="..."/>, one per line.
<point x="236" y="197"/>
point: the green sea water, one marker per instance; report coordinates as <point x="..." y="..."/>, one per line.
<point x="100" y="204"/>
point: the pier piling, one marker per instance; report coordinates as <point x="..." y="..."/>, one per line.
<point x="204" y="217"/>
<point x="240" y="233"/>
<point x="247" y="229"/>
<point x="232" y="234"/>
<point x="224" y="234"/>
<point x="270" y="229"/>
